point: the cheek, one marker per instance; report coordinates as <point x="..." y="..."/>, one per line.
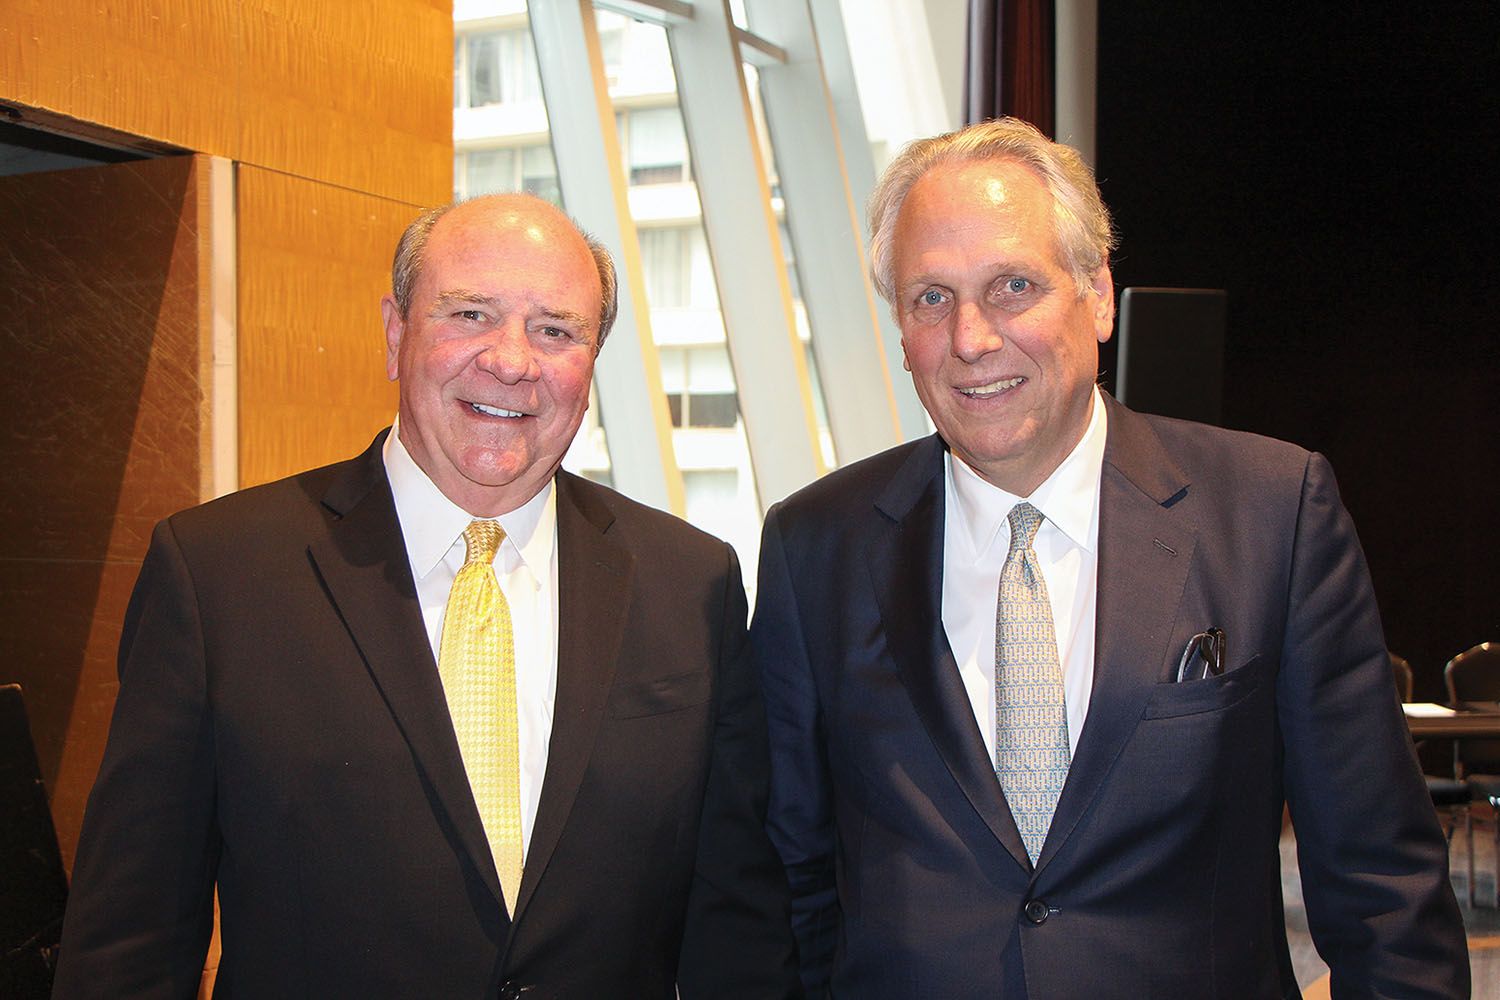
<point x="569" y="385"/>
<point x="442" y="364"/>
<point x="922" y="351"/>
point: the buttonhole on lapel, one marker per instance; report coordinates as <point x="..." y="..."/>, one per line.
<point x="1164" y="546"/>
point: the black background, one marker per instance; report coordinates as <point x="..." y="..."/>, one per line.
<point x="1333" y="167"/>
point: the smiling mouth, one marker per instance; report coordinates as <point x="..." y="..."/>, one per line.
<point x="994" y="387"/>
<point x="494" y="411"/>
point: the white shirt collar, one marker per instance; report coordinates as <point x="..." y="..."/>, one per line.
<point x="431" y="523"/>
<point x="1068" y="498"/>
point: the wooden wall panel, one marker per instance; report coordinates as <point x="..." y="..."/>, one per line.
<point x="353" y="94"/>
<point x="355" y="79"/>
<point x="313" y="263"/>
<point x="102" y="421"/>
<point x="163" y="69"/>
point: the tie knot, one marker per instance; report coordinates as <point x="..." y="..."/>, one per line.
<point x="482" y="539"/>
<point x="1024" y="520"/>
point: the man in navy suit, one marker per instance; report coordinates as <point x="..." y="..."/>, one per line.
<point x="283" y="733"/>
<point x="1212" y="651"/>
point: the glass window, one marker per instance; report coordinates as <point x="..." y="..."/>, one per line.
<point x="484" y="69"/>
<point x="656" y="145"/>
<point x="500" y="67"/>
<point x="539" y="174"/>
<point x="676" y="265"/>
<point x="699" y="384"/>
<point x="487" y="171"/>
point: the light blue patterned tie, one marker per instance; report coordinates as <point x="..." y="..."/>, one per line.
<point x="1031" y="722"/>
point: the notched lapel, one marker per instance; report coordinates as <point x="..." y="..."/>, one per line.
<point x="363" y="564"/>
<point x="1145" y="553"/>
<point x="906" y="564"/>
<point x="595" y="576"/>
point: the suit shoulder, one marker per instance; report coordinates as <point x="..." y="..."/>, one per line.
<point x="1203" y="450"/>
<point x="859" y="484"/>
<point x="647" y="529"/>
<point x="258" y="514"/>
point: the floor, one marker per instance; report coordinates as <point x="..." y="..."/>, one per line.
<point x="1482" y="920"/>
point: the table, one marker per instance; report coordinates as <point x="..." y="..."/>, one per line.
<point x="1471" y="719"/>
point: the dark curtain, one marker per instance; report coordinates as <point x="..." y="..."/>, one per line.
<point x="1008" y="62"/>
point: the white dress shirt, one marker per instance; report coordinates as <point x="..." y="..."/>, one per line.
<point x="526" y="567"/>
<point x="976" y="539"/>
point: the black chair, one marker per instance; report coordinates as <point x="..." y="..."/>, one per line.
<point x="1450" y="796"/>
<point x="1405" y="680"/>
<point x="1474" y="675"/>
<point x="33" y="885"/>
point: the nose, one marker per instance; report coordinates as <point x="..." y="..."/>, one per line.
<point x="974" y="333"/>
<point x="507" y="354"/>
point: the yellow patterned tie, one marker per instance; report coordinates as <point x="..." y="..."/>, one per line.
<point x="1031" y="722"/>
<point x="477" y="662"/>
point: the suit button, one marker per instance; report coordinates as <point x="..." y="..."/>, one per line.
<point x="510" y="991"/>
<point x="1036" y="911"/>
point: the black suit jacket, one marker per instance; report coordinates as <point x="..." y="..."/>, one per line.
<point x="281" y="732"/>
<point x="1160" y="873"/>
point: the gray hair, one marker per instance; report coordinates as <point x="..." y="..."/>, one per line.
<point x="406" y="268"/>
<point x="1080" y="222"/>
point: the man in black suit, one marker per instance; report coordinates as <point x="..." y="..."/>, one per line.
<point x="1039" y="685"/>
<point x="294" y="731"/>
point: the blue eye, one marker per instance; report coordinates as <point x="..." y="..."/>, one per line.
<point x="1017" y="285"/>
<point x="931" y="297"/>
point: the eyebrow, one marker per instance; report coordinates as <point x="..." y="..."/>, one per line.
<point x="568" y="315"/>
<point x="464" y="296"/>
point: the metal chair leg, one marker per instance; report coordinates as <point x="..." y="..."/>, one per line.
<point x="1495" y="815"/>
<point x="1469" y="846"/>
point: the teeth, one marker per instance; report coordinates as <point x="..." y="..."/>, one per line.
<point x="982" y="390"/>
<point x="495" y="411"/>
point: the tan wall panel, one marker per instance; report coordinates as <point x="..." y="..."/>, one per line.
<point x="314" y="261"/>
<point x="101" y="410"/>
<point x="163" y="69"/>
<point x="374" y="78"/>
<point x="354" y="94"/>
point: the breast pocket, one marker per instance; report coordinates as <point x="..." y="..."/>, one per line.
<point x="659" y="695"/>
<point x="1211" y="694"/>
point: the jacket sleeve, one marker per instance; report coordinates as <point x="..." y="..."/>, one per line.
<point x="140" y="910"/>
<point x="801" y="816"/>
<point x="737" y="940"/>
<point x="1373" y="860"/>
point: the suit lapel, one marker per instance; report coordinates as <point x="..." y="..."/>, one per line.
<point x="1145" y="551"/>
<point x="364" y="567"/>
<point x="906" y="563"/>
<point x="593" y="594"/>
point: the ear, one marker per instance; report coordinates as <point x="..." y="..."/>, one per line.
<point x="905" y="361"/>
<point x="1103" y="286"/>
<point x="395" y="326"/>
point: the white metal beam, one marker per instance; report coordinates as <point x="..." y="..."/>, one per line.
<point x="755" y="298"/>
<point x="859" y="168"/>
<point x="590" y="172"/>
<point x="824" y="224"/>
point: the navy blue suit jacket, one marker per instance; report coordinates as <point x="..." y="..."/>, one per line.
<point x="1160" y="873"/>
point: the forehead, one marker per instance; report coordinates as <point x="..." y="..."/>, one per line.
<point x="996" y="201"/>
<point x="495" y="249"/>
